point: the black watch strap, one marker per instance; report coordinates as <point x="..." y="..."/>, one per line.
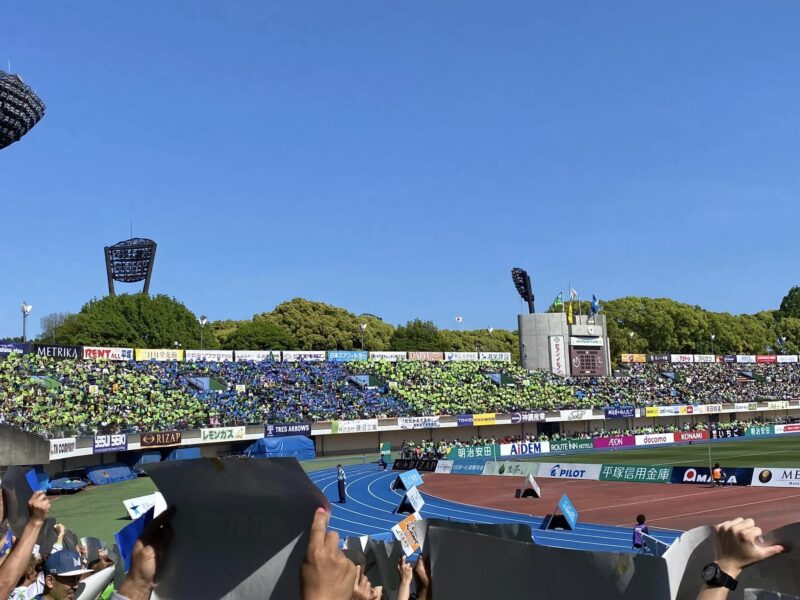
<point x="714" y="576"/>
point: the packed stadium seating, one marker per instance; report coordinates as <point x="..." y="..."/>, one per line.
<point x="51" y="396"/>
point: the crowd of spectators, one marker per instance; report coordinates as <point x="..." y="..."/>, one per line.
<point x="67" y="397"/>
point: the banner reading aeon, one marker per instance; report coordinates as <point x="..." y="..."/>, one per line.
<point x="618" y="441"/>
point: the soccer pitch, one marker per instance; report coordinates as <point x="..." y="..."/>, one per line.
<point x="781" y="451"/>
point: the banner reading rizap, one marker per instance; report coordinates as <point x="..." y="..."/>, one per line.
<point x="510" y="469"/>
<point x="484" y="419"/>
<point x="357" y="426"/>
<point x="461" y="452"/>
<point x="158" y="354"/>
<point x="639" y="473"/>
<point x="566" y="445"/>
<point x="524" y="448"/>
<point x="418" y="422"/>
<point x="222" y="434"/>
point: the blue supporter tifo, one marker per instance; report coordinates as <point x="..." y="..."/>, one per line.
<point x="370" y="503"/>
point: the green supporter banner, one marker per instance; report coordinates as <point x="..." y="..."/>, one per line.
<point x="638" y="473"/>
<point x="386" y="449"/>
<point x="566" y="445"/>
<point x="761" y="430"/>
<point x="488" y="451"/>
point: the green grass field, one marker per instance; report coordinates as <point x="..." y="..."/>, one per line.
<point x="98" y="511"/>
<point x="768" y="452"/>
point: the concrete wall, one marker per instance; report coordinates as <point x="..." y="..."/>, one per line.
<point x="18" y="447"/>
<point x="535" y="331"/>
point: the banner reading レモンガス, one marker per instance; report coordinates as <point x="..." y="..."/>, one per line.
<point x="222" y="434"/>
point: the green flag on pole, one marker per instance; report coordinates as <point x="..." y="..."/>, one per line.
<point x="558" y="303"/>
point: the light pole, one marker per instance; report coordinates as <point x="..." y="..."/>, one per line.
<point x="783" y="344"/>
<point x="630" y="341"/>
<point x="713" y="337"/>
<point x="363" y="328"/>
<point x="26" y="310"/>
<point x="203" y="320"/>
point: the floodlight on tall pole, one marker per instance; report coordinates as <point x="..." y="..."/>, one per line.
<point x="490" y="330"/>
<point x="630" y="341"/>
<point x="203" y="320"/>
<point x="26" y="310"/>
<point x="713" y="337"/>
<point x="522" y="282"/>
<point x="363" y="328"/>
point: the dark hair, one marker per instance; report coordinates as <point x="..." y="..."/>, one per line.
<point x="716" y="465"/>
<point x="640" y="519"/>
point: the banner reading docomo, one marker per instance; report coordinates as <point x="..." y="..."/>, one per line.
<point x="222" y="434"/>
<point x="358" y="426"/>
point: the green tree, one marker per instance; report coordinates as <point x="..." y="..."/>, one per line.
<point x="417" y="335"/>
<point x="790" y="305"/>
<point x="134" y="320"/>
<point x="260" y="334"/>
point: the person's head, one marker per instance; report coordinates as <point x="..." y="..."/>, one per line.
<point x="31" y="572"/>
<point x="62" y="574"/>
<point x="716" y="465"/>
<point x="640" y="519"/>
<point x="100" y="563"/>
<point x="338" y="466"/>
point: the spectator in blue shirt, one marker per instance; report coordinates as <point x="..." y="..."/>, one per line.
<point x="638" y="531"/>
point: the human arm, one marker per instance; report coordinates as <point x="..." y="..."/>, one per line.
<point x="406" y="576"/>
<point x="148" y="552"/>
<point x="17" y="561"/>
<point x="327" y="574"/>
<point x="422" y="571"/>
<point x="736" y="548"/>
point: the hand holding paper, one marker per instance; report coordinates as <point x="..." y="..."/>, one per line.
<point x="737" y="547"/>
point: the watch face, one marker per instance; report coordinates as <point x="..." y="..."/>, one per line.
<point x="709" y="573"/>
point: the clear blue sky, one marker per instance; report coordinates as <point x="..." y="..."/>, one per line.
<point x="399" y="158"/>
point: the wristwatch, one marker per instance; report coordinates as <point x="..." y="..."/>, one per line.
<point x="713" y="576"/>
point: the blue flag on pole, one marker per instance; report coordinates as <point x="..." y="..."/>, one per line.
<point x="127" y="536"/>
<point x="595" y="305"/>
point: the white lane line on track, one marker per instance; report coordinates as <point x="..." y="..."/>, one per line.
<point x="650" y="500"/>
<point x="718" y="508"/>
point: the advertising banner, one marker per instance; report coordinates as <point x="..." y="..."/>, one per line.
<point x="573" y="444"/>
<point x="558" y="360"/>
<point x="62" y="447"/>
<point x="159" y="354"/>
<point x="257" y="355"/>
<point x="745" y="406"/>
<point x="681" y="358"/>
<point x="484" y="419"/>
<point x="638" y="473"/>
<point x="652" y="439"/>
<point x="524" y="448"/>
<point x="388" y="356"/>
<point x="461" y="356"/>
<point x="671" y="411"/>
<point x="702" y="475"/>
<point x="791" y="428"/>
<point x="634" y="358"/>
<point x="347" y="355"/>
<point x="528" y="417"/>
<point x="510" y="469"/>
<point x="787" y="358"/>
<point x="157" y="439"/>
<point x="444" y="467"/>
<point x="619" y="441"/>
<point x="413" y="464"/>
<point x="222" y="434"/>
<point x="651" y="411"/>
<point x="778" y="405"/>
<point x="357" y="426"/>
<point x="467" y="467"/>
<point x="569" y="471"/>
<point x="409" y="478"/>
<point x="575" y="415"/>
<point x="102" y="353"/>
<point x="495" y="356"/>
<point x="713" y="408"/>
<point x="760" y="430"/>
<point x="7" y="348"/>
<point x="658" y="358"/>
<point x="568" y="510"/>
<point x="776" y="477"/>
<point x="284" y="429"/>
<point x="114" y="442"/>
<point x="586" y="341"/>
<point x="745" y="358"/>
<point x="487" y="451"/>
<point x="691" y="436"/>
<point x="704" y="358"/>
<point x="464" y="420"/>
<point x="766" y="359"/>
<point x="426" y="356"/>
<point x="719" y="434"/>
<point x="729" y="358"/>
<point x="303" y="355"/>
<point x="73" y="352"/>
<point x="620" y="412"/>
<point x="209" y="355"/>
<point x="418" y="422"/>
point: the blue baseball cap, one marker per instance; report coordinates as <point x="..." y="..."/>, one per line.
<point x="64" y="564"/>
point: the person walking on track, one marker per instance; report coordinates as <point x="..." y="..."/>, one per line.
<point x="341" y="478"/>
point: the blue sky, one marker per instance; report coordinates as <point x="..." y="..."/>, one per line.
<point x="399" y="158"/>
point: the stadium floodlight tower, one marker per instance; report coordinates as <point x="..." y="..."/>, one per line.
<point x="129" y="262"/>
<point x="522" y="282"/>
<point x="20" y="109"/>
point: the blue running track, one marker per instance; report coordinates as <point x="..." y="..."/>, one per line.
<point x="370" y="503"/>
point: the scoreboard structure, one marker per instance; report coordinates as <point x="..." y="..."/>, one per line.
<point x="580" y="349"/>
